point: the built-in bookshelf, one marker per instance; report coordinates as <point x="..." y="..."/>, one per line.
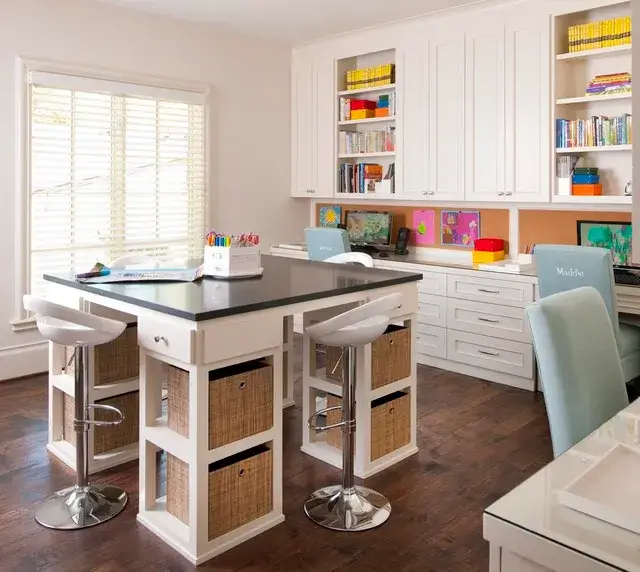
<point x="592" y="92"/>
<point x="366" y="123"/>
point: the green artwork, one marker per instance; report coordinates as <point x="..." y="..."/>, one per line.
<point x="615" y="236"/>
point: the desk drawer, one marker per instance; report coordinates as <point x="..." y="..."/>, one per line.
<point x="514" y="358"/>
<point x="502" y="292"/>
<point x="432" y="310"/>
<point x="506" y="322"/>
<point x="431" y="341"/>
<point x="166" y="338"/>
<point x="433" y="283"/>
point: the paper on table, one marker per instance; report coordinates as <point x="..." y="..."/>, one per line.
<point x="152" y="275"/>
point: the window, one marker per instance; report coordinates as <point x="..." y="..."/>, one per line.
<point x="113" y="169"/>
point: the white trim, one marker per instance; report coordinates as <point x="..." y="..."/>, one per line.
<point x="84" y="83"/>
<point x="23" y="325"/>
<point x="24" y="360"/>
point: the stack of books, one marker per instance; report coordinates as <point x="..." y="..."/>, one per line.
<point x="371" y="77"/>
<point x="597" y="131"/>
<point x="367" y="142"/>
<point x="586" y="181"/>
<point x="603" y="34"/>
<point x="606" y="84"/>
<point x="351" y="108"/>
<point x="359" y="178"/>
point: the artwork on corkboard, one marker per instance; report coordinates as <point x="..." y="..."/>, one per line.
<point x="615" y="236"/>
<point x="424" y="227"/>
<point x="330" y="217"/>
<point x="459" y="228"/>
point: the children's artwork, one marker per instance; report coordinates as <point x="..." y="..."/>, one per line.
<point x="459" y="228"/>
<point x="424" y="227"/>
<point x="616" y="236"/>
<point x="330" y="216"/>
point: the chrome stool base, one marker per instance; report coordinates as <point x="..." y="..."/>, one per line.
<point x="358" y="508"/>
<point x="81" y="507"/>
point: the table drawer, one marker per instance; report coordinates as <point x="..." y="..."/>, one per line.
<point x="502" y="292"/>
<point x="433" y="283"/>
<point x="432" y="310"/>
<point x="505" y="356"/>
<point x="431" y="341"/>
<point x="507" y="322"/>
<point x="167" y="338"/>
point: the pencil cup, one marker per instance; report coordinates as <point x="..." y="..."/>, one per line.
<point x="563" y="186"/>
<point x="383" y="187"/>
<point x="232" y="261"/>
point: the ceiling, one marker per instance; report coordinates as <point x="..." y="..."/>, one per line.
<point x="292" y="21"/>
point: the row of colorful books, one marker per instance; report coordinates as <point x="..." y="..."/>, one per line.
<point x="362" y="78"/>
<point x="367" y="142"/>
<point x="359" y="177"/>
<point x="597" y="131"/>
<point x="609" y="83"/>
<point x="603" y="34"/>
<point x="384" y="106"/>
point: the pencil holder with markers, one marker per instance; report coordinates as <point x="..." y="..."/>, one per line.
<point x="232" y="258"/>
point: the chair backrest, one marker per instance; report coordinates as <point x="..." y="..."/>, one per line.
<point x="379" y="307"/>
<point x="42" y="307"/>
<point x="563" y="267"/>
<point x="351" y="258"/>
<point x="323" y="243"/>
<point x="579" y="364"/>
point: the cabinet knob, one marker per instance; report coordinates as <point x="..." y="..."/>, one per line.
<point x="500" y="193"/>
<point x="425" y="193"/>
<point x="312" y="190"/>
<point x="508" y="193"/>
<point x="431" y="193"/>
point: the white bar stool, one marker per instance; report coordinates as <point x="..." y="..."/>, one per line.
<point x="83" y="504"/>
<point x="348" y="507"/>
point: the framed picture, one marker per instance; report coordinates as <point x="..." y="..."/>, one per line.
<point x="459" y="228"/>
<point x="616" y="236"/>
<point x="424" y="227"/>
<point x="330" y="216"/>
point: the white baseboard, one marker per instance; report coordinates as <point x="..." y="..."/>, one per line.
<point x="25" y="360"/>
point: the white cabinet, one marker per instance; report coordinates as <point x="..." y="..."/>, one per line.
<point x="433" y="113"/>
<point x="508" y="121"/>
<point x="312" y="125"/>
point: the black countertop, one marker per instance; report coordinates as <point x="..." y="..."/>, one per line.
<point x="284" y="281"/>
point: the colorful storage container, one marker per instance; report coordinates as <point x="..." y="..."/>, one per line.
<point x="362" y="114"/>
<point x="586" y="190"/>
<point x="485" y="257"/>
<point x="488" y="244"/>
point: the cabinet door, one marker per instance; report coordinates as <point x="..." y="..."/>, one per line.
<point x="414" y="121"/>
<point x="446" y="116"/>
<point x="302" y="125"/>
<point x="324" y="128"/>
<point x="528" y="122"/>
<point x="485" y="110"/>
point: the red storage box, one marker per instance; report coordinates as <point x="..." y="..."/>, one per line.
<point x="488" y="244"/>
<point x="362" y="104"/>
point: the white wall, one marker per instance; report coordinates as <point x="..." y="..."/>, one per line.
<point x="250" y="148"/>
<point x="635" y="106"/>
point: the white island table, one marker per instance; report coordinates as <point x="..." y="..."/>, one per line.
<point x="224" y="494"/>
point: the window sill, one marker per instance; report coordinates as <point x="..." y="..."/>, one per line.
<point x="24" y="325"/>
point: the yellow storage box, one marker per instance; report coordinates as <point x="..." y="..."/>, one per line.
<point x="486" y="257"/>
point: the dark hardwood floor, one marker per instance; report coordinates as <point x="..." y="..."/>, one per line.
<point x="477" y="441"/>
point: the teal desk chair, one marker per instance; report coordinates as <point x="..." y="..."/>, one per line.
<point x="562" y="268"/>
<point x="579" y="364"/>
<point x="323" y="243"/>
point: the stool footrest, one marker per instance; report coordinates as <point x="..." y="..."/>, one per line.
<point x="110" y="408"/>
<point x="311" y="424"/>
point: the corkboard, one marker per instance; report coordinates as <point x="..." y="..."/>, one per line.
<point x="558" y="227"/>
<point x="494" y="223"/>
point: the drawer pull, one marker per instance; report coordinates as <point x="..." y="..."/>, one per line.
<point x="487" y="291"/>
<point x="391" y="410"/>
<point x="243" y="384"/>
<point x="489" y="320"/>
<point x="159" y="339"/>
<point x="486" y="353"/>
<point x="241" y="473"/>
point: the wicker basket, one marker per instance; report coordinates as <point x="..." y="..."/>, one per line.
<point x="390" y="358"/>
<point x="107" y="438"/>
<point x="240" y="401"/>
<point x="390" y="423"/>
<point x="114" y="362"/>
<point x="240" y="489"/>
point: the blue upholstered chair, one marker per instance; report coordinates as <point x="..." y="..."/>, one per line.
<point x="562" y="268"/>
<point x="323" y="243"/>
<point x="579" y="364"/>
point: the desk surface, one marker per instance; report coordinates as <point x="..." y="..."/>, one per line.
<point x="285" y="281"/>
<point x="533" y="506"/>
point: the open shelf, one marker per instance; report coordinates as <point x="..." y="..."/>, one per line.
<point x="565" y="150"/>
<point x="364" y="155"/>
<point x="592" y="98"/>
<point x="598" y="52"/>
<point x="593" y="200"/>
<point x="375" y="89"/>
<point x="366" y="121"/>
<point x="366" y="196"/>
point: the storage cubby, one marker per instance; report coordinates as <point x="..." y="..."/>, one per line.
<point x="582" y="140"/>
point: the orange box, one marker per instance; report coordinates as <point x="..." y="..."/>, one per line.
<point x="587" y="190"/>
<point x="362" y="114"/>
<point x="382" y="112"/>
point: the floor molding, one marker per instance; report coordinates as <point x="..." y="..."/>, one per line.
<point x="22" y="361"/>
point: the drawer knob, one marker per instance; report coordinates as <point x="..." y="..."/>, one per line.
<point x="243" y="384"/>
<point x="391" y="342"/>
<point x="492" y="354"/>
<point x="391" y="410"/>
<point x="241" y="472"/>
<point x="159" y="339"/>
<point x="489" y="320"/>
<point x="488" y="291"/>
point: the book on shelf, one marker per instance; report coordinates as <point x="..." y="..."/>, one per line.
<point x="607" y="84"/>
<point x="382" y="141"/>
<point x="348" y="105"/>
<point x="602" y="34"/>
<point x="597" y="131"/>
<point x="359" y="177"/>
<point x="363" y="78"/>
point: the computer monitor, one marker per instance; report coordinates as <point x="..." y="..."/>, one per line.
<point x="369" y="228"/>
<point x="616" y="236"/>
